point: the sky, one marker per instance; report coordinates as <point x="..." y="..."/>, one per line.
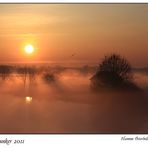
<point x="74" y="33"/>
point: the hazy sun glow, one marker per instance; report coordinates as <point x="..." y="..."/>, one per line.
<point x="29" y="49"/>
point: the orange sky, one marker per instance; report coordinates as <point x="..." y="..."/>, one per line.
<point x="89" y="31"/>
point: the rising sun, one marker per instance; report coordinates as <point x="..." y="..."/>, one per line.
<point x="29" y="49"/>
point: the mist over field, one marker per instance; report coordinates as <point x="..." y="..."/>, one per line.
<point x="67" y="105"/>
<point x="73" y="68"/>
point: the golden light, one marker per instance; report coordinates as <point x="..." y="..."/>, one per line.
<point x="28" y="99"/>
<point x="29" y="49"/>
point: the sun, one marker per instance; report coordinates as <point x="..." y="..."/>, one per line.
<point x="29" y="49"/>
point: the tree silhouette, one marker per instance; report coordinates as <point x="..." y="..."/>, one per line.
<point x="5" y="71"/>
<point x="115" y="72"/>
<point x="26" y="72"/>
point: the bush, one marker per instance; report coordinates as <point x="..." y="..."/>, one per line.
<point x="114" y="72"/>
<point x="49" y="78"/>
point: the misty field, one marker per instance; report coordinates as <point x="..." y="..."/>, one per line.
<point x="59" y="100"/>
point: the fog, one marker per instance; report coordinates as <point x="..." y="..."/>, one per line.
<point x="68" y="105"/>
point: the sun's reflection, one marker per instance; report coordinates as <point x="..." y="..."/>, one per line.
<point x="28" y="99"/>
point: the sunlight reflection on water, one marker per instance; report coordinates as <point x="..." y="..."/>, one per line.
<point x="28" y="99"/>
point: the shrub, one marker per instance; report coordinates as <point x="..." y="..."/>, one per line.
<point x="49" y="78"/>
<point x="114" y="72"/>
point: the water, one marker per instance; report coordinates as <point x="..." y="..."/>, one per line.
<point x="68" y="105"/>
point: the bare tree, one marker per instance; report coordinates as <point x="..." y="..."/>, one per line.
<point x="27" y="73"/>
